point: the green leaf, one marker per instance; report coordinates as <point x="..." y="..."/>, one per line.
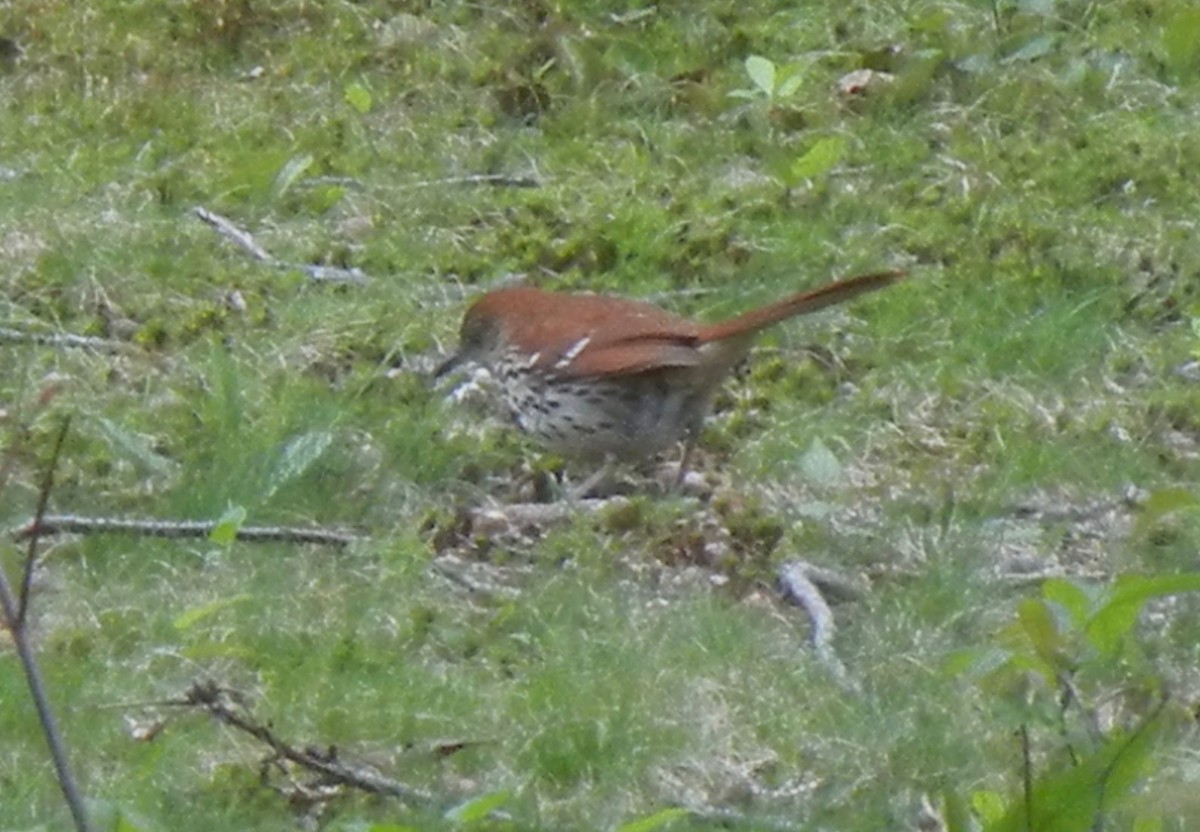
<point x="790" y="84"/>
<point x="1037" y="622"/>
<point x="358" y="97"/>
<point x="478" y="808"/>
<point x="1119" y="611"/>
<point x="762" y="73"/>
<point x="988" y="805"/>
<point x="298" y="456"/>
<point x="292" y="170"/>
<point x="189" y="618"/>
<point x="135" y="448"/>
<point x="1038" y="47"/>
<point x="656" y="821"/>
<point x="819" y="159"/>
<point x="1072" y="798"/>
<point x="1164" y="502"/>
<point x="1074" y="600"/>
<point x="821" y="467"/>
<point x="226" y="530"/>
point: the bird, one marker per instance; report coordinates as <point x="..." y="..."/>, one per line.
<point x="604" y="377"/>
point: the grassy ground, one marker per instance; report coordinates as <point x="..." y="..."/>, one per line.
<point x="1027" y="405"/>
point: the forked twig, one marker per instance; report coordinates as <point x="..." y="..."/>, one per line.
<point x="220" y="703"/>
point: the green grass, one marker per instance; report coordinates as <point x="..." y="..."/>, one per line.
<point x="1034" y="166"/>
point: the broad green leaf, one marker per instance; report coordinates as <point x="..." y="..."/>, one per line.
<point x="1073" y="798"/>
<point x="298" y="456"/>
<point x="1164" y="502"/>
<point x="1074" y="601"/>
<point x="821" y="467"/>
<point x="227" y="528"/>
<point x="819" y="159"/>
<point x="762" y="73"/>
<point x="790" y="84"/>
<point x="292" y="170"/>
<point x="1038" y="47"/>
<point x="135" y="448"/>
<point x="189" y="618"/>
<point x="478" y="808"/>
<point x="1037" y="622"/>
<point x="656" y="821"/>
<point x="988" y="805"/>
<point x="1119" y="611"/>
<point x="359" y="97"/>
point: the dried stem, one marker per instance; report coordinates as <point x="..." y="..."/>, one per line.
<point x="798" y="581"/>
<point x="52" y="524"/>
<point x="220" y="703"/>
<point x="245" y="241"/>
<point x="15" y="620"/>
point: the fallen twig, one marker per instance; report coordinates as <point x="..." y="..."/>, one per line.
<point x="495" y="519"/>
<point x="222" y="704"/>
<point x="245" y="241"/>
<point x="798" y="582"/>
<point x="63" y="339"/>
<point x="501" y="180"/>
<point x="52" y="524"/>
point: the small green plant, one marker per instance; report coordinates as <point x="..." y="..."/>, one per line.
<point x="776" y="86"/>
<point x="769" y="82"/>
<point x="1065" y="653"/>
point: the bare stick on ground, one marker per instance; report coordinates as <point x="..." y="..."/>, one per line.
<point x="15" y="619"/>
<point x="798" y="581"/>
<point x="52" y="524"/>
<point x="222" y="704"/>
<point x="497" y="180"/>
<point x="62" y="340"/>
<point x="246" y="242"/>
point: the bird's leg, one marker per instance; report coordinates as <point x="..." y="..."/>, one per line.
<point x="585" y="488"/>
<point x="689" y="445"/>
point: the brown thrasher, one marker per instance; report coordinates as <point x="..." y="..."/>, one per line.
<point x="597" y="376"/>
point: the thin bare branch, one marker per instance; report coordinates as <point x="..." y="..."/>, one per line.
<point x="796" y="578"/>
<point x="245" y="241"/>
<point x="221" y="704"/>
<point x="499" y="180"/>
<point x="63" y="339"/>
<point x="53" y="524"/>
<point x="14" y="610"/>
<point x="43" y="501"/>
